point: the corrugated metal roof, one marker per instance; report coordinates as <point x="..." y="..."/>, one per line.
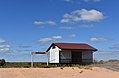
<point x="73" y="46"/>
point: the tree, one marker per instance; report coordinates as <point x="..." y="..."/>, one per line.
<point x="2" y="62"/>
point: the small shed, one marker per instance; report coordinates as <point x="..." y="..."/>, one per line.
<point x="70" y="53"/>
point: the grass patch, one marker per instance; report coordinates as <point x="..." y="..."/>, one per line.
<point x="41" y="65"/>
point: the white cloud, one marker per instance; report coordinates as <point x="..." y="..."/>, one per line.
<point x="107" y="51"/>
<point x="75" y="1"/>
<point x="77" y="27"/>
<point x="86" y="0"/>
<point x="67" y="0"/>
<point x="50" y="23"/>
<point x="92" y="0"/>
<point x="115" y="46"/>
<point x="24" y="46"/>
<point x="44" y="22"/>
<point x="73" y="35"/>
<point x="38" y="22"/>
<point x="5" y="47"/>
<point x="99" y="39"/>
<point x="2" y="40"/>
<point x="44" y="40"/>
<point x="86" y="26"/>
<point x="97" y="0"/>
<point x="47" y="40"/>
<point x="57" y="37"/>
<point x="67" y="28"/>
<point x="83" y="15"/>
<point x="53" y="38"/>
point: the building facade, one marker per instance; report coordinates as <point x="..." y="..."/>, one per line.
<point x="70" y="53"/>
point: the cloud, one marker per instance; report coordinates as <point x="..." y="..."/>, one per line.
<point x="86" y="26"/>
<point x="2" y="40"/>
<point x="73" y="1"/>
<point x="83" y="15"/>
<point x="115" y="46"/>
<point x="99" y="39"/>
<point x="107" y="51"/>
<point x="38" y="22"/>
<point x="50" y="22"/>
<point x="73" y="35"/>
<point x="66" y="27"/>
<point x="53" y="38"/>
<point x="67" y="0"/>
<point x="5" y="47"/>
<point x="91" y="0"/>
<point x="17" y="50"/>
<point x="24" y="46"/>
<point x="44" y="40"/>
<point x="47" y="40"/>
<point x="57" y="37"/>
<point x="80" y="1"/>
<point x="86" y="0"/>
<point x="96" y="0"/>
<point x="77" y="27"/>
<point x="44" y="22"/>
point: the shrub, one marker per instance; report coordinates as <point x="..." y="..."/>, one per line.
<point x="2" y="62"/>
<point x="101" y="62"/>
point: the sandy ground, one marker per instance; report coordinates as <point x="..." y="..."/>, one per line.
<point x="67" y="72"/>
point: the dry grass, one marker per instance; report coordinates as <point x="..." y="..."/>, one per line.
<point x="111" y="64"/>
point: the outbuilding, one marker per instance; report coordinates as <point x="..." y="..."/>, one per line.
<point x="70" y="53"/>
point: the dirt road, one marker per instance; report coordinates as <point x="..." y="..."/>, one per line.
<point x="67" y="72"/>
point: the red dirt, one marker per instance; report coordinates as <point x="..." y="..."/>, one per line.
<point x="67" y="72"/>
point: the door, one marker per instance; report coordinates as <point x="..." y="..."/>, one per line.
<point x="76" y="57"/>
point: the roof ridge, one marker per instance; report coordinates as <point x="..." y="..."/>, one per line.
<point x="69" y="43"/>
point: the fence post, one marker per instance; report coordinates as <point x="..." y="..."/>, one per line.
<point x="32" y="60"/>
<point x="47" y="59"/>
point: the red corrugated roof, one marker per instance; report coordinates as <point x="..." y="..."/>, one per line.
<point x="74" y="46"/>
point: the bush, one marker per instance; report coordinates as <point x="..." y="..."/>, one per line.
<point x="101" y="62"/>
<point x="2" y="62"/>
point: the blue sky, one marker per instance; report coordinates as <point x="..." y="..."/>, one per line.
<point x="32" y="25"/>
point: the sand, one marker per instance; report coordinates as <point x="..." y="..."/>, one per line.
<point x="67" y="72"/>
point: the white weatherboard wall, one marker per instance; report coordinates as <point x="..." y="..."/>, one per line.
<point x="54" y="55"/>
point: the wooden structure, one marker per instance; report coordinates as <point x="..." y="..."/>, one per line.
<point x="37" y="53"/>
